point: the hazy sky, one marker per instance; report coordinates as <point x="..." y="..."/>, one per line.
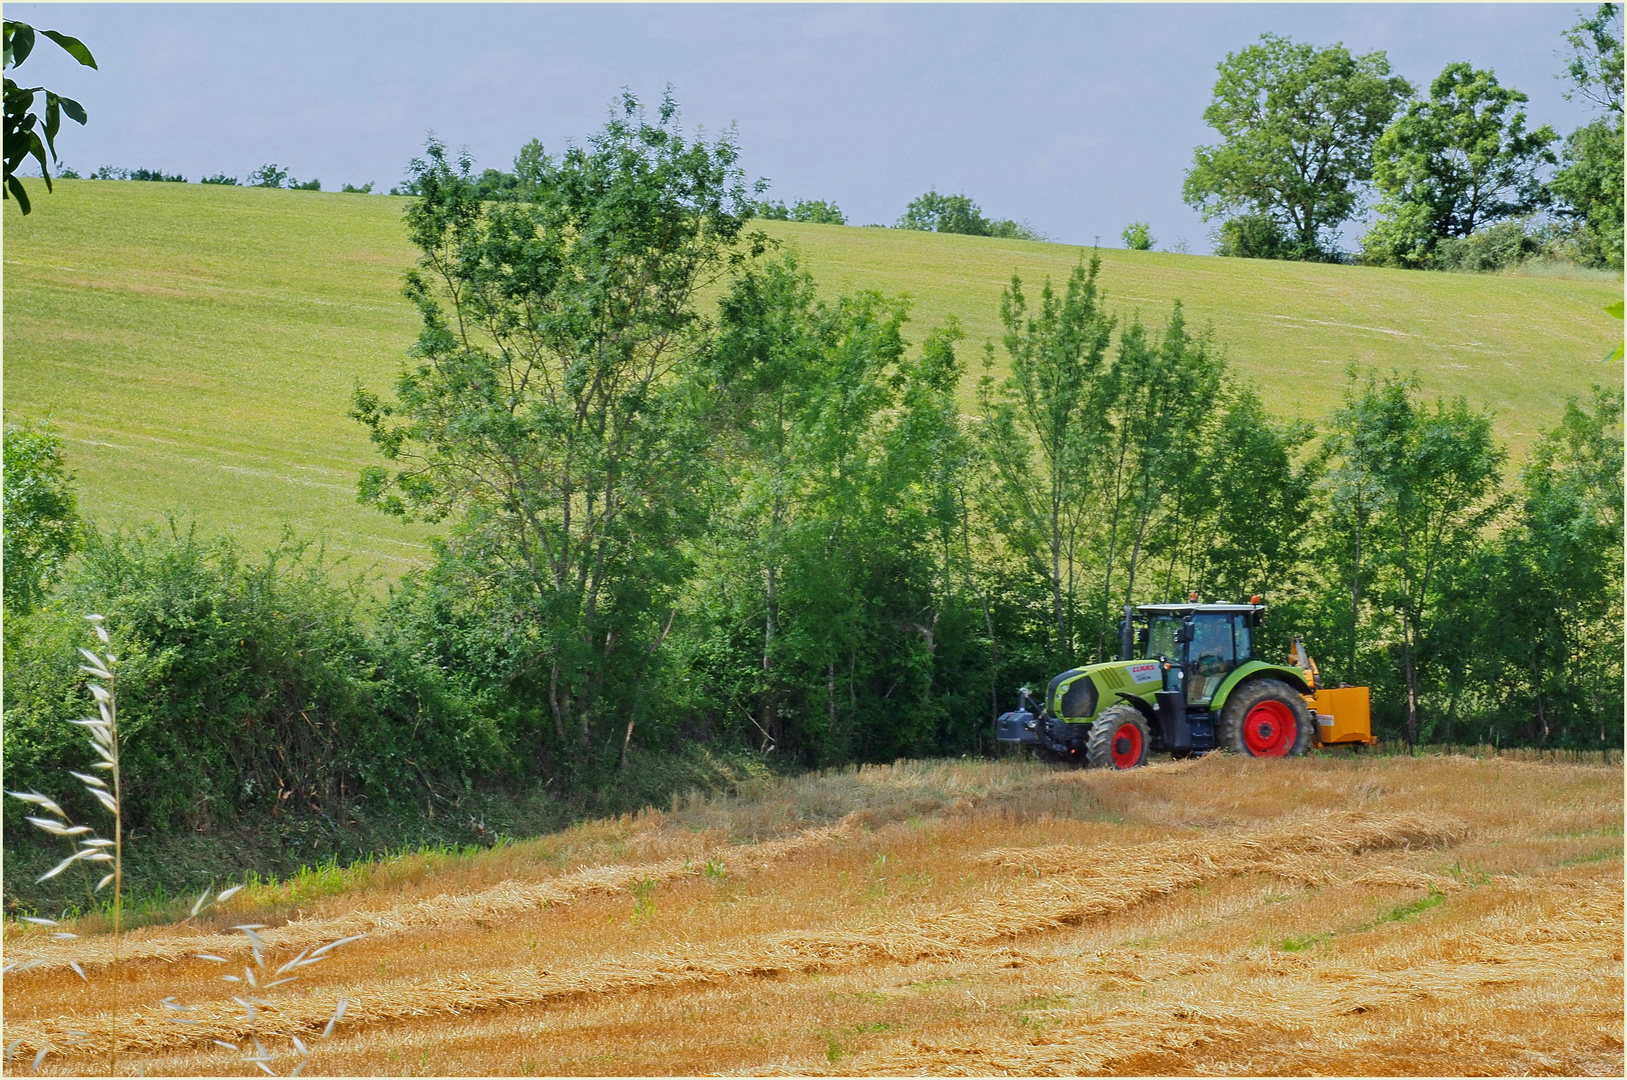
<point x="1077" y="118"/>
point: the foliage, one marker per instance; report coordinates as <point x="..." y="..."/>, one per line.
<point x="812" y="211"/>
<point x="1137" y="236"/>
<point x="351" y="189"/>
<point x="220" y="178"/>
<point x="269" y="175"/>
<point x="1554" y="658"/>
<point x="1595" y="65"/>
<point x="1298" y="125"/>
<point x="1041" y="427"/>
<point x="26" y="135"/>
<point x="109" y="172"/>
<point x="242" y="684"/>
<point x="1252" y="236"/>
<point x="305" y="185"/>
<point x="1412" y="491"/>
<point x="1589" y="186"/>
<point x="542" y="412"/>
<point x="959" y="214"/>
<point x="826" y="610"/>
<point x="1452" y="164"/>
<point x="42" y="525"/>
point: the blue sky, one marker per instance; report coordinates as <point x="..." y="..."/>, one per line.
<point x="1076" y="118"/>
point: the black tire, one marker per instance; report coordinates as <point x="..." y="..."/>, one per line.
<point x="1119" y="739"/>
<point x="1255" y="719"/>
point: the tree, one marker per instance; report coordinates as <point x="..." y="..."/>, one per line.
<point x="944" y="213"/>
<point x="1555" y="580"/>
<point x="1053" y="404"/>
<point x="812" y="211"/>
<point x="1298" y="125"/>
<point x="42" y="526"/>
<point x="1418" y="486"/>
<point x="1595" y="65"/>
<point x="1137" y="236"/>
<point x="24" y="128"/>
<point x="543" y="407"/>
<point x="1453" y="164"/>
<point x="272" y="176"/>
<point x="1589" y="187"/>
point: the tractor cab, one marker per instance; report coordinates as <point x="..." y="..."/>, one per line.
<point x="1197" y="645"/>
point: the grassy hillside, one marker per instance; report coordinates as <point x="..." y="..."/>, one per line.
<point x="1219" y="916"/>
<point x="197" y="345"/>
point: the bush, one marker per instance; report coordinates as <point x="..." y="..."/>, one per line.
<point x="1006" y="229"/>
<point x="1137" y="236"/>
<point x="220" y="178"/>
<point x="1252" y="236"/>
<point x="308" y="185"/>
<point x="351" y="189"/>
<point x="1503" y="245"/>
<point x="242" y="684"/>
<point x="42" y="526"/>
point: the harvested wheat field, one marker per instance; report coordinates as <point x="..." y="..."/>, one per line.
<point x="1362" y="916"/>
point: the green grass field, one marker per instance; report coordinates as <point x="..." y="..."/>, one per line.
<point x="197" y="345"/>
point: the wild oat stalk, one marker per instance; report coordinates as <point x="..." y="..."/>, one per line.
<point x="104" y="731"/>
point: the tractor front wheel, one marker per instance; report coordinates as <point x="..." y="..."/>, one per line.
<point x="1119" y="739"/>
<point x="1265" y="718"/>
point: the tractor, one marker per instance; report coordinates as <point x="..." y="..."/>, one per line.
<point x="1188" y="681"/>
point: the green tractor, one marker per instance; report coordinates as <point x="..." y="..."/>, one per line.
<point x="1190" y="682"/>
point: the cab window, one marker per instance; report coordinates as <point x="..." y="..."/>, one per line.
<point x="1161" y="642"/>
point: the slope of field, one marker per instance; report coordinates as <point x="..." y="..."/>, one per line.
<point x="197" y="345"/>
<point x="1333" y="915"/>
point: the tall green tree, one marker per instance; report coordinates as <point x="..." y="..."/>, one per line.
<point x="27" y="135"/>
<point x="1163" y="395"/>
<point x="835" y="535"/>
<point x="541" y="409"/>
<point x="1297" y="125"/>
<point x="1589" y="186"/>
<point x="1455" y="163"/>
<point x="1426" y="481"/>
<point x="42" y="524"/>
<point x="1040" y="429"/>
<point x="1555" y="582"/>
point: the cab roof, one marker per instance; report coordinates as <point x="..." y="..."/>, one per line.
<point x="1193" y="609"/>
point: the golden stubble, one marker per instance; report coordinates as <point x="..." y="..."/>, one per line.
<point x="1346" y="915"/>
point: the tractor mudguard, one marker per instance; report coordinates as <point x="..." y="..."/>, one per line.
<point x="1255" y="668"/>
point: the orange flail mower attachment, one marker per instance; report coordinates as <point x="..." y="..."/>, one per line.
<point x="1343" y="715"/>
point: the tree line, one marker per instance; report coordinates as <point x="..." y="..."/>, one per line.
<point x="1310" y="137"/>
<point x="766" y="522"/>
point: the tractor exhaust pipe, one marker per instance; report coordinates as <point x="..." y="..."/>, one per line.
<point x="1126" y="636"/>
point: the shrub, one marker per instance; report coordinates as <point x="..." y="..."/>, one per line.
<point x="1137" y="236"/>
<point x="351" y="189"/>
<point x="220" y="178"/>
<point x="308" y="185"/>
<point x="242" y="683"/>
<point x="42" y="526"/>
<point x="1252" y="236"/>
<point x="1503" y="245"/>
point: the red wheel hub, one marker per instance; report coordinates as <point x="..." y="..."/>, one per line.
<point x="1270" y="729"/>
<point x="1126" y="747"/>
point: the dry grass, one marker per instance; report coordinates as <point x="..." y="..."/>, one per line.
<point x="1347" y="915"/>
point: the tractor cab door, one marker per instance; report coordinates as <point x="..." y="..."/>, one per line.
<point x="1211" y="654"/>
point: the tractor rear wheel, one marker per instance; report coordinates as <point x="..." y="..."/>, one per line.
<point x="1265" y="718"/>
<point x="1119" y="739"/>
